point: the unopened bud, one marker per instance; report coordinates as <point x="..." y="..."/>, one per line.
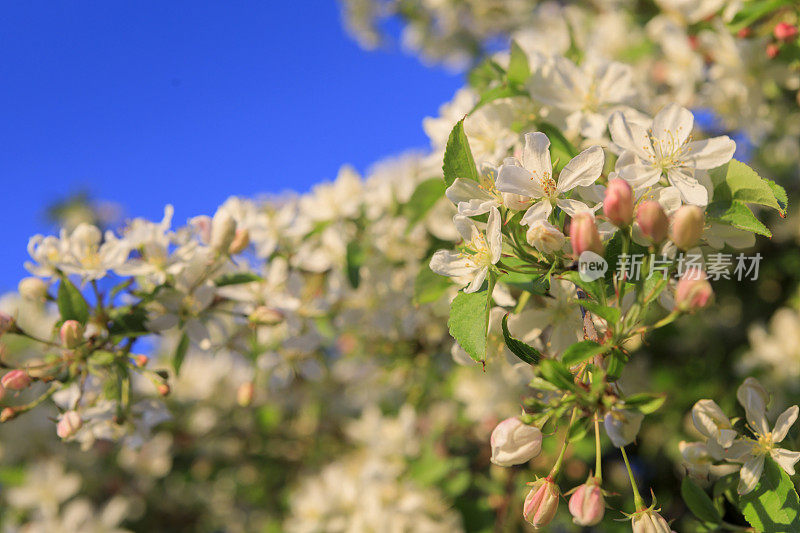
<point x="687" y="227"/>
<point x="241" y="240"/>
<point x="618" y="203"/>
<point x="514" y="442"/>
<point x="141" y="360"/>
<point x="649" y="521"/>
<point x="693" y="291"/>
<point x="784" y="31"/>
<point x="71" y="334"/>
<point x="652" y="221"/>
<point x="541" y="503"/>
<point x="69" y="424"/>
<point x="773" y="50"/>
<point x="163" y="389"/>
<point x="244" y="394"/>
<point x="7" y="414"/>
<point x="744" y="33"/>
<point x="223" y="231"/>
<point x="587" y="505"/>
<point x="545" y="237"/>
<point x="6" y="323"/>
<point x="32" y="289"/>
<point x="16" y="380"/>
<point x="2" y="392"/>
<point x="265" y="316"/>
<point x="584" y="236"/>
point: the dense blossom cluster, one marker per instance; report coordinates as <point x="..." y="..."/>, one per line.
<point x="384" y="352"/>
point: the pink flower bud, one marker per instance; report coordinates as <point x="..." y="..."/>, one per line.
<point x="773" y="50"/>
<point x="545" y="237"/>
<point x="514" y="442"/>
<point x="16" y="380"/>
<point x="744" y="33"/>
<point x="587" y="504"/>
<point x="693" y="291"/>
<point x="244" y="394"/>
<point x="69" y="424"/>
<point x="649" y="521"/>
<point x="541" y="503"/>
<point x="163" y="389"/>
<point x="141" y="360"/>
<point x="687" y="226"/>
<point x="71" y="334"/>
<point x="618" y="203"/>
<point x="2" y="392"/>
<point x="7" y="414"/>
<point x="784" y="31"/>
<point x="241" y="240"/>
<point x="6" y="323"/>
<point x="584" y="236"/>
<point x="652" y="221"/>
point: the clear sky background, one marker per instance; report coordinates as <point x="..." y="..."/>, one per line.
<point x="188" y="102"/>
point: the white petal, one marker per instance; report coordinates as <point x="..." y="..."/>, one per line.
<point x="710" y="153"/>
<point x="536" y="154"/>
<point x="630" y="136"/>
<point x="692" y="191"/>
<point x="640" y="176"/>
<point x="673" y="125"/>
<point x="754" y="398"/>
<point x="493" y="235"/>
<point x="785" y="458"/>
<point x="449" y="263"/>
<point x="517" y="180"/>
<point x="784" y="422"/>
<point x="538" y="211"/>
<point x="465" y="227"/>
<point x="583" y="169"/>
<point x="573" y="207"/>
<point x="750" y="474"/>
<point x="464" y="190"/>
<point x="476" y="283"/>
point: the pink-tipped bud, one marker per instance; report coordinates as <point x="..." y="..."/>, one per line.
<point x="693" y="291"/>
<point x="241" y="240"/>
<point x="744" y="33"/>
<point x="6" y="323"/>
<point x="71" y="334"/>
<point x="649" y="521"/>
<point x="773" y="50"/>
<point x="2" y="392"/>
<point x="784" y="31"/>
<point x="7" y="414"/>
<point x="587" y="505"/>
<point x="584" y="236"/>
<point x="653" y="221"/>
<point x="16" y="380"/>
<point x="32" y="289"/>
<point x="265" y="316"/>
<point x="515" y="442"/>
<point x="618" y="203"/>
<point x="687" y="227"/>
<point x="141" y="360"/>
<point x="541" y="503"/>
<point x="244" y="394"/>
<point x="69" y="424"/>
<point x="163" y="389"/>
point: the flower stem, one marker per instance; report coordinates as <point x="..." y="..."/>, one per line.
<point x="638" y="502"/>
<point x="557" y="467"/>
<point x="598" y="463"/>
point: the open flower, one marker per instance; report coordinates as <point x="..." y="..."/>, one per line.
<point x="480" y="251"/>
<point x="533" y="177"/>
<point x="754" y="398"/>
<point x="666" y="148"/>
<point x="475" y="198"/>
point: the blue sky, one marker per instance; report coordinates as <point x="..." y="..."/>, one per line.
<point x="186" y="102"/>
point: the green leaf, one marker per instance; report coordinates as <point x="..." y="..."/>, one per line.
<point x="609" y="314"/>
<point x="180" y="353"/>
<point x="469" y="322"/>
<point x="592" y="288"/>
<point x="71" y="303"/>
<point x="780" y="195"/>
<point x="527" y="353"/>
<point x="560" y="148"/>
<point x="237" y="278"/>
<point x="128" y="321"/>
<point x="518" y="69"/>
<point x="486" y="73"/>
<point x="578" y="429"/>
<point x="773" y="506"/>
<point x="423" y="199"/>
<point x="698" y="502"/>
<point x="557" y="374"/>
<point x="355" y="258"/>
<point x="738" y="215"/>
<point x="645" y="403"/>
<point x="737" y="181"/>
<point x="615" y="363"/>
<point x="429" y="286"/>
<point x="496" y="93"/>
<point x="458" y="161"/>
<point x="582" y="351"/>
